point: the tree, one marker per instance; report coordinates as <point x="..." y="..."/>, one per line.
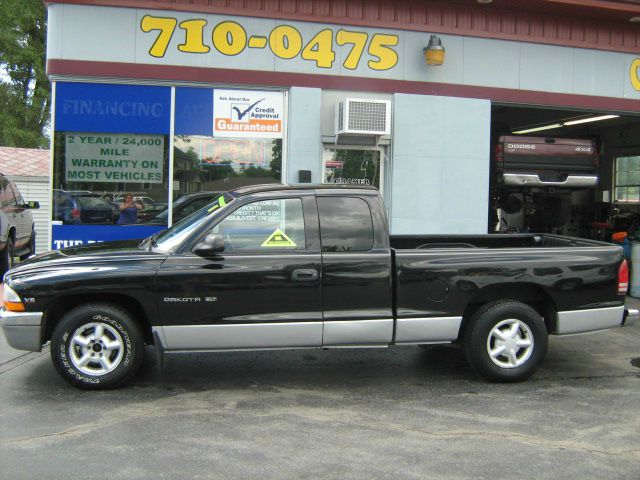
<point x="25" y="98"/>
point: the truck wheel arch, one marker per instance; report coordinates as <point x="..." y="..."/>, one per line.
<point x="530" y="294"/>
<point x="61" y="305"/>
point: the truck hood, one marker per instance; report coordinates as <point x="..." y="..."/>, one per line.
<point x="125" y="250"/>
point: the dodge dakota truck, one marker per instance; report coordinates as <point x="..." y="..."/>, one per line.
<point x="273" y="267"/>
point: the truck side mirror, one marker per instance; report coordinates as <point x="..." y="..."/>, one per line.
<point x="210" y="245"/>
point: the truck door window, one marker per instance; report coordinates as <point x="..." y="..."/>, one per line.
<point x="345" y="224"/>
<point x="266" y="226"/>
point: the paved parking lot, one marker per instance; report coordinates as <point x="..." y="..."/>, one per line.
<point x="398" y="413"/>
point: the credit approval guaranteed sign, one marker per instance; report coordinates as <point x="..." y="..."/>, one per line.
<point x="247" y="113"/>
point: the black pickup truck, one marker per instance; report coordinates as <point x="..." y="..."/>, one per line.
<point x="271" y="267"/>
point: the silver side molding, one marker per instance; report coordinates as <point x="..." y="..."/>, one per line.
<point x="582" y="321"/>
<point x="427" y="330"/>
<point x="238" y="337"/>
<point x="358" y="333"/>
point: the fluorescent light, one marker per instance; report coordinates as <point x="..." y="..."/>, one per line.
<point x="537" y="129"/>
<point x="591" y="119"/>
<point x="563" y="124"/>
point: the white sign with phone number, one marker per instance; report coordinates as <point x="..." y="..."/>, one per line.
<point x="113" y="158"/>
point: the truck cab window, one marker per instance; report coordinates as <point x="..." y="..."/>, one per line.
<point x="345" y="224"/>
<point x="266" y="225"/>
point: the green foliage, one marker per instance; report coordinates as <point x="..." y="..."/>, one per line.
<point x="25" y="95"/>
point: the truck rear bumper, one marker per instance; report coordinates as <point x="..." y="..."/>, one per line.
<point x="630" y="317"/>
<point x="533" y="180"/>
<point x="582" y="321"/>
<point x="22" y="329"/>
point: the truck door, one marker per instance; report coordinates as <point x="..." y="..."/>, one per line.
<point x="356" y="259"/>
<point x="263" y="291"/>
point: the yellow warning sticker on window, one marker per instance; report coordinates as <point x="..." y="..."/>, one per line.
<point x="221" y="203"/>
<point x="278" y="239"/>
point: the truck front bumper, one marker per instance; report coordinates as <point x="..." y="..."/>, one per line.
<point x="630" y="317"/>
<point x="23" y="330"/>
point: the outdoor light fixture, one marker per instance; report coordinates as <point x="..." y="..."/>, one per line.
<point x="565" y="124"/>
<point x="434" y="51"/>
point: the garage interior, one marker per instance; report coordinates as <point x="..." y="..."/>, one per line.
<point x="595" y="212"/>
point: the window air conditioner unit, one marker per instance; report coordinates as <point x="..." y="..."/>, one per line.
<point x="355" y="116"/>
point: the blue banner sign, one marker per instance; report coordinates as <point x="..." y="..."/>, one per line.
<point x="65" y="236"/>
<point x="99" y="107"/>
<point x="194" y="111"/>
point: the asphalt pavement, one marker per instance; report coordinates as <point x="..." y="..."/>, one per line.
<point x="400" y="413"/>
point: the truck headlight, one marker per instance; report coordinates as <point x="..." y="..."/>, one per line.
<point x="12" y="300"/>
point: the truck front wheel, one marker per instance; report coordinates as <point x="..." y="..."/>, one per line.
<point x="505" y="341"/>
<point x="97" y="346"/>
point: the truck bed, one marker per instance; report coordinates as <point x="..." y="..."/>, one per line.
<point x="445" y="274"/>
<point x="411" y="242"/>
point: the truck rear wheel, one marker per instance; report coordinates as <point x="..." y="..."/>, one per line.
<point x="505" y="341"/>
<point x="97" y="346"/>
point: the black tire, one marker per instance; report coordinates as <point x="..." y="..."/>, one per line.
<point x="92" y="363"/>
<point x="6" y="258"/>
<point x="32" y="246"/>
<point x="512" y="360"/>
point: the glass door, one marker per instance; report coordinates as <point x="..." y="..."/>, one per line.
<point x="353" y="165"/>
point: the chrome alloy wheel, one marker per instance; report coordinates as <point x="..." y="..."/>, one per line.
<point x="510" y="343"/>
<point x="96" y="349"/>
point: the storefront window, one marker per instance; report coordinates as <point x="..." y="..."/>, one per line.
<point x="224" y="139"/>
<point x="209" y="164"/>
<point x="111" y="162"/>
<point x="94" y="173"/>
<point x="352" y="166"/>
<point x="627" y="185"/>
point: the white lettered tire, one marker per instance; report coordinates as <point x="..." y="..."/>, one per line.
<point x="505" y="341"/>
<point x="97" y="346"/>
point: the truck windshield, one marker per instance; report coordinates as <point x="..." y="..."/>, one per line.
<point x="168" y="240"/>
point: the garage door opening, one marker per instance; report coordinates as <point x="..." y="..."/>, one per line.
<point x="571" y="172"/>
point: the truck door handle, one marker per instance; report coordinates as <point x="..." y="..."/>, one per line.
<point x="305" y="275"/>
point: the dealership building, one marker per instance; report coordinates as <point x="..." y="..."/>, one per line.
<point x="163" y="99"/>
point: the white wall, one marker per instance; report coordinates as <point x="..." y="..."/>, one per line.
<point x="37" y="189"/>
<point x="304" y="145"/>
<point x="440" y="165"/>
